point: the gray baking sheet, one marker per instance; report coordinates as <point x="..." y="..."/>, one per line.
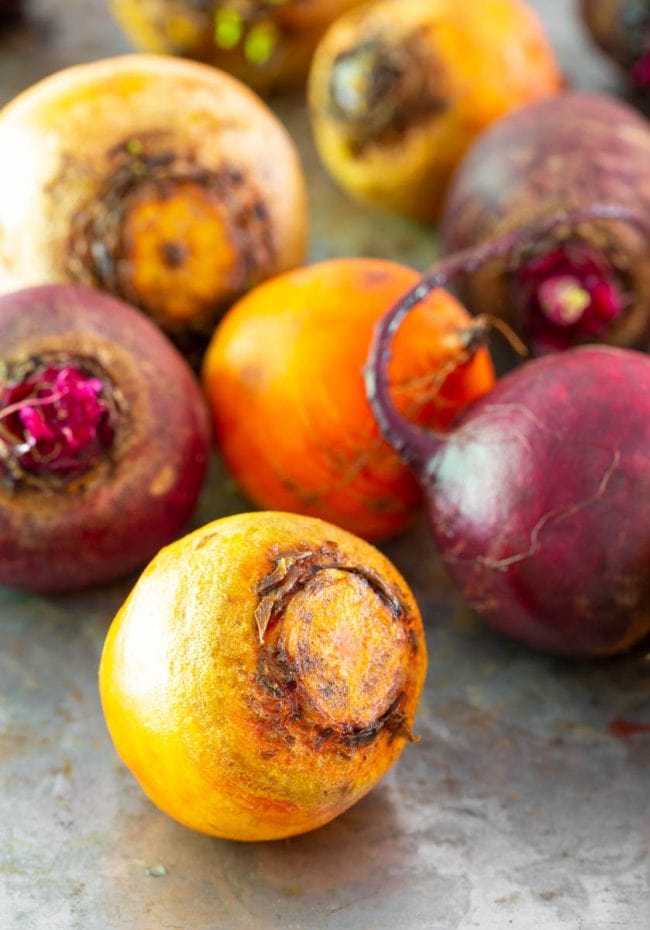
<point x="526" y="803"/>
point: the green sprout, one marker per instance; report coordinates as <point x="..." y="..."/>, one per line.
<point x="228" y="28"/>
<point x="261" y="43"/>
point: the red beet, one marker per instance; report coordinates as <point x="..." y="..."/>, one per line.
<point x="104" y="439"/>
<point x="621" y="28"/>
<point x="580" y="282"/>
<point x="539" y="496"/>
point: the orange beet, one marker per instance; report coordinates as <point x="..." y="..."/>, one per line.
<point x="263" y="675"/>
<point x="283" y="375"/>
<point x="398" y="90"/>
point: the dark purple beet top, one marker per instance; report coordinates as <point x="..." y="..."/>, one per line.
<point x="56" y="421"/>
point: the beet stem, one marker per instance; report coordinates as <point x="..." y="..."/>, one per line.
<point x="416" y="446"/>
<point x="487" y="321"/>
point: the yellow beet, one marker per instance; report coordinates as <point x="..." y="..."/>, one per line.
<point x="164" y="182"/>
<point x="266" y="43"/>
<point x="398" y="89"/>
<point x="263" y="675"/>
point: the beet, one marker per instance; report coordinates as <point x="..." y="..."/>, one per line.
<point x="581" y="282"/>
<point x="104" y="439"/>
<point x="539" y="496"/>
<point x="621" y="28"/>
<point x="163" y="182"/>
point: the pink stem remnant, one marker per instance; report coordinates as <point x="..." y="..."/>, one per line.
<point x="55" y="421"/>
<point x="567" y="295"/>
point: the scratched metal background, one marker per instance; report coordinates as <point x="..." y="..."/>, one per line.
<point x="526" y="804"/>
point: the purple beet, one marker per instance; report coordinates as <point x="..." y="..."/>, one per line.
<point x="580" y="282"/>
<point x="539" y="496"/>
<point x="104" y="439"/>
<point x="621" y="28"/>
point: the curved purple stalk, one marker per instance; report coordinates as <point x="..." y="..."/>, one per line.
<point x="415" y="445"/>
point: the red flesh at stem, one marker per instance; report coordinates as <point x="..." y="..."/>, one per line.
<point x="640" y="72"/>
<point x="530" y="493"/>
<point x="55" y="422"/>
<point x="104" y="439"/>
<point x="566" y="293"/>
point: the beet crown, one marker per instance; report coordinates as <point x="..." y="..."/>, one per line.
<point x="104" y="438"/>
<point x="578" y="282"/>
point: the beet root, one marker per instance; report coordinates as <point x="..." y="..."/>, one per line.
<point x="539" y="496"/>
<point x="104" y="439"/>
<point x="186" y="193"/>
<point x="582" y="282"/>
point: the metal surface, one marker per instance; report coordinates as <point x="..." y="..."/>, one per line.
<point x="526" y="804"/>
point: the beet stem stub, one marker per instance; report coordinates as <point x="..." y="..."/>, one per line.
<point x="416" y="446"/>
<point x="568" y="292"/>
<point x="55" y="420"/>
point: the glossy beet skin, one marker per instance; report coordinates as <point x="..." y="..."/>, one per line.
<point x="579" y="282"/>
<point x="104" y="439"/>
<point x="539" y="497"/>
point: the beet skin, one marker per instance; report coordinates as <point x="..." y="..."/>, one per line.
<point x="582" y="282"/>
<point x="104" y="439"/>
<point x="539" y="496"/>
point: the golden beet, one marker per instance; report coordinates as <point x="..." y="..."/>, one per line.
<point x="263" y="674"/>
<point x="266" y="43"/>
<point x="164" y="182"/>
<point x="284" y="378"/>
<point x="399" y="88"/>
